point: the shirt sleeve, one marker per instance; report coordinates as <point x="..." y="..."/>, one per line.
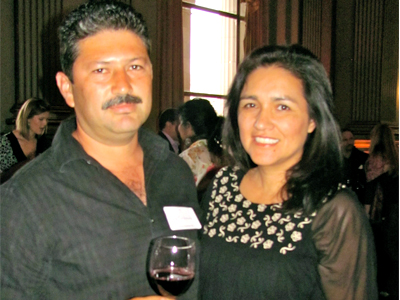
<point x="343" y="238"/>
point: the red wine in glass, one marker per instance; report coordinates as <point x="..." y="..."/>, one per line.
<point x="172" y="282"/>
<point x="171" y="265"/>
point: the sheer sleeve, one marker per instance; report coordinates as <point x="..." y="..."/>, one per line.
<point x="344" y="241"/>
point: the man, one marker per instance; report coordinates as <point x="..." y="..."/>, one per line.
<point x="80" y="228"/>
<point x="167" y="124"/>
<point x="354" y="161"/>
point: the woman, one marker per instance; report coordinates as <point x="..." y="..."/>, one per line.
<point x="382" y="206"/>
<point x="278" y="224"/>
<point x="200" y="131"/>
<point x="27" y="140"/>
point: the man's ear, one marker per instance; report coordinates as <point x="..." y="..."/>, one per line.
<point x="65" y="87"/>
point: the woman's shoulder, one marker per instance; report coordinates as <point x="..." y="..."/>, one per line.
<point x="342" y="207"/>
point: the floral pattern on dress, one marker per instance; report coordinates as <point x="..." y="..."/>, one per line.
<point x="7" y="157"/>
<point x="198" y="158"/>
<point x="237" y="220"/>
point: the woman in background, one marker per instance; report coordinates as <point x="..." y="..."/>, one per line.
<point x="200" y="130"/>
<point x="382" y="206"/>
<point x="278" y="223"/>
<point x="27" y="140"/>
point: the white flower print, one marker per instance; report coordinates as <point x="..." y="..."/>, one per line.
<point x="272" y="230"/>
<point x="298" y="215"/>
<point x="251" y="214"/>
<point x="224" y="218"/>
<point x="228" y="196"/>
<point x="274" y="207"/>
<point x="235" y="186"/>
<point x="306" y="221"/>
<point x="256" y="224"/>
<point x="296" y="236"/>
<point x="219" y="198"/>
<point x="289" y="226"/>
<point x="276" y="216"/>
<point x="215" y="212"/>
<point x="238" y="198"/>
<point x="267" y="220"/>
<point x="222" y="231"/>
<point x="231" y="227"/>
<point x="245" y="238"/>
<point x="241" y="221"/>
<point x="261" y="207"/>
<point x="232" y="208"/>
<point x="212" y="232"/>
<point x="224" y="180"/>
<point x="223" y="189"/>
<point x="246" y="203"/>
<point x="289" y="247"/>
<point x="213" y="194"/>
<point x="268" y="244"/>
<point x="232" y="239"/>
<point x="280" y="236"/>
<point x="236" y="214"/>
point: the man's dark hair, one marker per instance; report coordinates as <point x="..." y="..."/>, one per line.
<point x="319" y="170"/>
<point x="344" y="129"/>
<point x="168" y="115"/>
<point x="91" y="18"/>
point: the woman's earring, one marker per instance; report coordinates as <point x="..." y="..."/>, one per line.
<point x="187" y="142"/>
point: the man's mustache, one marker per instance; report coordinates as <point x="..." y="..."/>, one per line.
<point x="121" y="99"/>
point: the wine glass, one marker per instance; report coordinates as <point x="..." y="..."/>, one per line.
<point x="171" y="266"/>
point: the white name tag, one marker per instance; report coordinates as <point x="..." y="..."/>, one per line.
<point x="181" y="218"/>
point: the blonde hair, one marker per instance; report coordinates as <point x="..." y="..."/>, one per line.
<point x="383" y="144"/>
<point x="31" y="107"/>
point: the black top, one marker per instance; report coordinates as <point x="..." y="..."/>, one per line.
<point x="256" y="251"/>
<point x="75" y="231"/>
<point x="354" y="173"/>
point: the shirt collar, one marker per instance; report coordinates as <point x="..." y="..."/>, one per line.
<point x="174" y="143"/>
<point x="68" y="149"/>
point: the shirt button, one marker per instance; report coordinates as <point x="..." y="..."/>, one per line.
<point x="88" y="162"/>
<point x="152" y="220"/>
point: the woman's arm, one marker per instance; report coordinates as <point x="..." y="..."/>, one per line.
<point x="344" y="241"/>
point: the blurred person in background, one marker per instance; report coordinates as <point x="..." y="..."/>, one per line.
<point x="200" y="130"/>
<point x="279" y="223"/>
<point x="28" y="138"/>
<point x="382" y="206"/>
<point x="168" y="122"/>
<point x="353" y="164"/>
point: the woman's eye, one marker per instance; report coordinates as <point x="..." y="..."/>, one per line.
<point x="249" y="105"/>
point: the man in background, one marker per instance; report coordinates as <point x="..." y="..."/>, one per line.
<point x="353" y="161"/>
<point x="77" y="222"/>
<point x="168" y="122"/>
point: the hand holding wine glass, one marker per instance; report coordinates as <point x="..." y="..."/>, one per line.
<point x="172" y="265"/>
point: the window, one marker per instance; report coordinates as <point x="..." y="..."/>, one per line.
<point x="213" y="47"/>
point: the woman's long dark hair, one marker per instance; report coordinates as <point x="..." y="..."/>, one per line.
<point x="319" y="171"/>
<point x="205" y="123"/>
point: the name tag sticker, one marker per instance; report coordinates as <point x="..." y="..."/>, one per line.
<point x="181" y="218"/>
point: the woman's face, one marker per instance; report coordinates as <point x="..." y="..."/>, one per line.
<point x="185" y="131"/>
<point x="37" y="124"/>
<point x="273" y="118"/>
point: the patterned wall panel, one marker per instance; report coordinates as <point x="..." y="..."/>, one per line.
<point x="37" y="48"/>
<point x="367" y="60"/>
